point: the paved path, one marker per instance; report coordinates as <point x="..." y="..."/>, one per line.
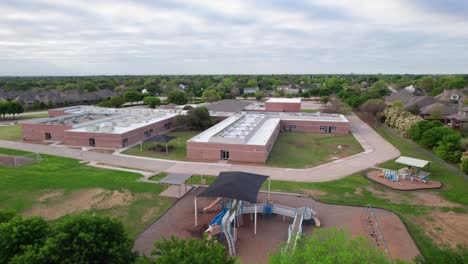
<point x="377" y="150"/>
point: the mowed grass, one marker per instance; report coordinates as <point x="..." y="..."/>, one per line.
<point x="11" y="133"/>
<point x="302" y="150"/>
<point x="178" y="151"/>
<point x="20" y="188"/>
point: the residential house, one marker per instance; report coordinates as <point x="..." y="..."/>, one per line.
<point x="250" y="90"/>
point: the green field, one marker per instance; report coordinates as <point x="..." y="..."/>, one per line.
<point x="302" y="150"/>
<point x="178" y="151"/>
<point x="12" y="133"/>
<point x="56" y="184"/>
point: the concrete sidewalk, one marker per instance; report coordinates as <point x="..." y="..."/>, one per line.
<point x="377" y="150"/>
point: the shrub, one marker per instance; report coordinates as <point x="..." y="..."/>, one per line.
<point x="152" y="101"/>
<point x="416" y="130"/>
<point x="449" y="148"/>
<point x="400" y="120"/>
<point x="431" y="137"/>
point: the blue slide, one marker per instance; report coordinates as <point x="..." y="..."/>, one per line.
<point x="218" y="218"/>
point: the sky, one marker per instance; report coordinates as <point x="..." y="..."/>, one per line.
<point x="113" y="37"/>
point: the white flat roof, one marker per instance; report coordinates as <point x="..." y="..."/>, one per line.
<point x="284" y="100"/>
<point x="412" y="162"/>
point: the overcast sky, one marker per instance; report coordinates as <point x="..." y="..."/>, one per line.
<point x="73" y="37"/>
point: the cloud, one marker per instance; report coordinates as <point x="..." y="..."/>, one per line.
<point x="60" y="37"/>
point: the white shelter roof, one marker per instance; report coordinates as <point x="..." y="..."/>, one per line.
<point x="412" y="162"/>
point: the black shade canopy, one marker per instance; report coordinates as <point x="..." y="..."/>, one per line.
<point x="160" y="138"/>
<point x="235" y="185"/>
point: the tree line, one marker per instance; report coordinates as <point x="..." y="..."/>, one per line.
<point x="10" y="108"/>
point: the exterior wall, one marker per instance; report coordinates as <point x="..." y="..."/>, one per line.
<point x="237" y="152"/>
<point x="35" y="132"/>
<point x="110" y="140"/>
<point x="314" y="126"/>
<point x="282" y="107"/>
<point x="56" y="112"/>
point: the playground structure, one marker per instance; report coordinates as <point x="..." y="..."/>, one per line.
<point x="412" y="173"/>
<point x="236" y="201"/>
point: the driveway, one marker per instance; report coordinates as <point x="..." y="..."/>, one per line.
<point x="377" y="150"/>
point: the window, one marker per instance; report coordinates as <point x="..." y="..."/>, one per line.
<point x="150" y="132"/>
<point x="124" y="142"/>
<point x="224" y="154"/>
<point x="92" y="142"/>
<point x="167" y="125"/>
<point x="48" y="136"/>
<point x="147" y="133"/>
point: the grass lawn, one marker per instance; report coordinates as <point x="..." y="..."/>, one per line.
<point x="57" y="183"/>
<point x="178" y="152"/>
<point x="31" y="116"/>
<point x="158" y="176"/>
<point x="357" y="190"/>
<point x="12" y="133"/>
<point x="302" y="150"/>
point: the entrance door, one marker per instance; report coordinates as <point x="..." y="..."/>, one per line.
<point x="224" y="155"/>
<point x="48" y="136"/>
<point x="92" y="142"/>
<point x="329" y="129"/>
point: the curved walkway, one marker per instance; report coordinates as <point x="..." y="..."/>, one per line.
<point x="377" y="150"/>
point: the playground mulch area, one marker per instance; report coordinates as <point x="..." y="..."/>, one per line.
<point x="272" y="231"/>
<point x="9" y="160"/>
<point x="403" y="185"/>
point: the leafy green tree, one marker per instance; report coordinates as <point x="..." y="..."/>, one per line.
<point x="397" y="103"/>
<point x="211" y="95"/>
<point x="83" y="239"/>
<point x="449" y="148"/>
<point x="14" y="108"/>
<point x="199" y="118"/>
<point x="117" y="101"/>
<point x="426" y="83"/>
<point x="416" y="131"/>
<point x="89" y="87"/>
<point x="6" y="215"/>
<point x="3" y="109"/>
<point x="373" y="106"/>
<point x="177" y="97"/>
<point x="18" y="233"/>
<point x="324" y="99"/>
<point x="151" y="101"/>
<point x="331" y="246"/>
<point x="431" y="137"/>
<point x="193" y="250"/>
<point x="379" y="85"/>
<point x="132" y="96"/>
<point x="259" y="95"/>
<point x="252" y="83"/>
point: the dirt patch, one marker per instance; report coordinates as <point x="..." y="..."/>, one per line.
<point x="312" y="193"/>
<point x="15" y="161"/>
<point x="431" y="199"/>
<point x="358" y="191"/>
<point x="393" y="197"/>
<point x="50" y="195"/>
<point x="78" y="201"/>
<point x="445" y="227"/>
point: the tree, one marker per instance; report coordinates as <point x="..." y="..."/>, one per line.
<point x="449" y="148"/>
<point x="83" y="239"/>
<point x="397" y="103"/>
<point x="14" y="108"/>
<point x="324" y="99"/>
<point x="199" y="118"/>
<point x="6" y="215"/>
<point x="18" y="233"/>
<point x="132" y="96"/>
<point x="252" y="83"/>
<point x="151" y="101"/>
<point x="177" y="97"/>
<point x="426" y="83"/>
<point x="430" y="138"/>
<point x="416" y="131"/>
<point x="373" y="106"/>
<point x="211" y="95"/>
<point x="3" y="109"/>
<point x="193" y="250"/>
<point x="259" y="95"/>
<point x="331" y="246"/>
<point x="379" y="85"/>
<point x="436" y="112"/>
<point x="117" y="101"/>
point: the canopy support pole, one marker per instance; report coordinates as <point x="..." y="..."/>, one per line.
<point x="255" y="220"/>
<point x="268" y="188"/>
<point x="167" y="151"/>
<point x="196" y="216"/>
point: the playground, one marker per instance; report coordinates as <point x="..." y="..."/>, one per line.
<point x="254" y="237"/>
<point x="413" y="176"/>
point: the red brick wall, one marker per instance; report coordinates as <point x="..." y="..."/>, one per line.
<point x="314" y="126"/>
<point x="282" y="107"/>
<point x="36" y="132"/>
<point x="56" y="112"/>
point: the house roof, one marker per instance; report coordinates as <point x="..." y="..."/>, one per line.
<point x="445" y="109"/>
<point x="446" y="95"/>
